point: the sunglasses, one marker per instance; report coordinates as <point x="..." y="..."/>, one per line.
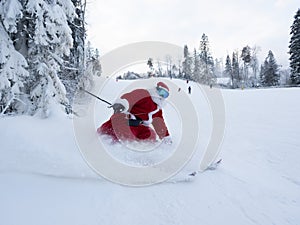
<point x="162" y="92"/>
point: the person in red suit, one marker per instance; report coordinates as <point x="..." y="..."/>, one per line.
<point x="138" y="116"/>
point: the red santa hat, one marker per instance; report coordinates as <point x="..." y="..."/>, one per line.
<point x="162" y="85"/>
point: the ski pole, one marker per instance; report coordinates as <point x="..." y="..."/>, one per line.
<point x="95" y="96"/>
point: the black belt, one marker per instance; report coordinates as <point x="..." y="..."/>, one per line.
<point x="135" y="122"/>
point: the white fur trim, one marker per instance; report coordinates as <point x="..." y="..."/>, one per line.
<point x="160" y="101"/>
<point x="124" y="102"/>
<point x="150" y="116"/>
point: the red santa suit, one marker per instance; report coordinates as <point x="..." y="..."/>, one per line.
<point x="142" y="105"/>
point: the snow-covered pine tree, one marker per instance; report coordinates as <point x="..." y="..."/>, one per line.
<point x="74" y="71"/>
<point x="246" y="57"/>
<point x="50" y="41"/>
<point x="235" y="70"/>
<point x="196" y="66"/>
<point x="13" y="65"/>
<point x="187" y="64"/>
<point x="295" y="49"/>
<point x="206" y="62"/>
<point x="228" y="69"/>
<point x="269" y="73"/>
<point x="40" y="32"/>
<point x="262" y="73"/>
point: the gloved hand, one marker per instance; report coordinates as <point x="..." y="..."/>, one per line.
<point x="167" y="140"/>
<point x="117" y="107"/>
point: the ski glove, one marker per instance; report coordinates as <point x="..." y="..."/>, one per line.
<point x="117" y="107"/>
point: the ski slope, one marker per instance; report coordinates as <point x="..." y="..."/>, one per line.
<point x="45" y="180"/>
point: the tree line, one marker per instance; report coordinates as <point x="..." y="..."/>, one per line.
<point x="242" y="67"/>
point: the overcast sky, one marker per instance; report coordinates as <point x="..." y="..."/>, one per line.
<point x="229" y="25"/>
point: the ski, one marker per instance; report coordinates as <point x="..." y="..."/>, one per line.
<point x="192" y="176"/>
<point x="212" y="166"/>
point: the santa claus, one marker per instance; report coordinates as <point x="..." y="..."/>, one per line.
<point x="138" y="116"/>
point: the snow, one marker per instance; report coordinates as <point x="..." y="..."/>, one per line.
<point x="45" y="180"/>
<point x="223" y="81"/>
<point x="10" y="10"/>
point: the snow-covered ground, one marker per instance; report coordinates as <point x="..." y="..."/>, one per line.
<point x="44" y="179"/>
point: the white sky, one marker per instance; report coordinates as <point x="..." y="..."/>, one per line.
<point x="229" y="25"/>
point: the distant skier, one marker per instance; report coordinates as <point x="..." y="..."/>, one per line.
<point x="134" y="112"/>
<point x="190" y="89"/>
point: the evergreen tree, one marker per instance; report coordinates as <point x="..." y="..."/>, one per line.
<point x="51" y="41"/>
<point x="269" y="72"/>
<point x="10" y="13"/>
<point x="235" y="70"/>
<point x="206" y="62"/>
<point x="13" y="76"/>
<point x="262" y="73"/>
<point x="228" y="69"/>
<point x="13" y="65"/>
<point x="295" y="49"/>
<point x="196" y="66"/>
<point x="76" y="67"/>
<point x="44" y="41"/>
<point x="246" y="57"/>
<point x="187" y="64"/>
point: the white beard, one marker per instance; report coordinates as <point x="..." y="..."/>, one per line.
<point x="160" y="101"/>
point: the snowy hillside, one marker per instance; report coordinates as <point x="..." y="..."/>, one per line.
<point x="45" y="180"/>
